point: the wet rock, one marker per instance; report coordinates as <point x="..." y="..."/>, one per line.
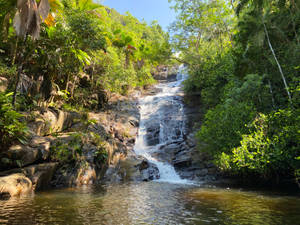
<point x="87" y="176"/>
<point x="166" y="152"/>
<point x="78" y="174"/>
<point x="41" y="175"/>
<point x="209" y="165"/>
<point x="172" y="148"/>
<point x="183" y="159"/>
<point x="212" y="171"/>
<point x="152" y="90"/>
<point x="133" y="168"/>
<point x="164" y="73"/>
<point x="202" y="173"/>
<point x="191" y="141"/>
<point x="186" y="174"/>
<point x="15" y="185"/>
<point x="152" y="136"/>
<point x="149" y="171"/>
<point x="184" y="147"/>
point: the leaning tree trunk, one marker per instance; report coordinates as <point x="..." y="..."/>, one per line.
<point x="278" y="64"/>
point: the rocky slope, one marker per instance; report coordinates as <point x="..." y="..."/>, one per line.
<point x="70" y="148"/>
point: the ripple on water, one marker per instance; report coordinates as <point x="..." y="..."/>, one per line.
<point x="151" y="203"/>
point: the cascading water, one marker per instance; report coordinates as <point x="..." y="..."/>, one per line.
<point x="162" y="123"/>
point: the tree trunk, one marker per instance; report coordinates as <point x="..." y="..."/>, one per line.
<point x="15" y="50"/>
<point x="278" y="64"/>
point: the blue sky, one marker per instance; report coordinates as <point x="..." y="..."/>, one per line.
<point x="145" y="9"/>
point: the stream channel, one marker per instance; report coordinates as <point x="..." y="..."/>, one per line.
<point x="168" y="200"/>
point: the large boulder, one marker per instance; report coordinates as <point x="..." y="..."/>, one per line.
<point x="126" y="170"/>
<point x="132" y="168"/>
<point x="40" y="175"/>
<point x="50" y="121"/>
<point x="37" y="150"/>
<point x="77" y="174"/>
<point x="15" y="185"/>
<point x="149" y="171"/>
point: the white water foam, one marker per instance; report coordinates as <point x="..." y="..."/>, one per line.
<point x="156" y="110"/>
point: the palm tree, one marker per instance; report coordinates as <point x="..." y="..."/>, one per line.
<point x="27" y="20"/>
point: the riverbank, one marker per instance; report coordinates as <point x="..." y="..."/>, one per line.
<point x="70" y="148"/>
<point x="74" y="148"/>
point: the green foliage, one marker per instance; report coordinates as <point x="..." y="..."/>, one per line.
<point x="115" y="52"/>
<point x="11" y="127"/>
<point x="242" y="67"/>
<point x="211" y="88"/>
<point x="72" y="151"/>
<point x="224" y="125"/>
<point x="101" y="154"/>
<point x="7" y="71"/>
<point x="272" y="148"/>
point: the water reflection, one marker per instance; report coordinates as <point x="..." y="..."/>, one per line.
<point x="151" y="203"/>
<point x="237" y="207"/>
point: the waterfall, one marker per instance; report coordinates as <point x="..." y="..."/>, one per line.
<point x="162" y="123"/>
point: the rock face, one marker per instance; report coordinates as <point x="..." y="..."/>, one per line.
<point x="132" y="168"/>
<point x="37" y="150"/>
<point x="149" y="171"/>
<point x="83" y="148"/>
<point x="15" y="185"/>
<point x="190" y="162"/>
<point x="152" y="136"/>
<point x="164" y="73"/>
<point x="50" y="121"/>
<point x="117" y="129"/>
<point x="39" y="175"/>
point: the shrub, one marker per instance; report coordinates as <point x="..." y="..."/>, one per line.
<point x="224" y="125"/>
<point x="11" y="127"/>
<point x="272" y="148"/>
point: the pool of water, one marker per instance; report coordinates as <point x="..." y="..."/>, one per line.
<point x="152" y="203"/>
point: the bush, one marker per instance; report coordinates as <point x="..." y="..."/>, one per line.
<point x="272" y="148"/>
<point x="72" y="151"/>
<point x="224" y="125"/>
<point x="6" y="71"/>
<point x="11" y="127"/>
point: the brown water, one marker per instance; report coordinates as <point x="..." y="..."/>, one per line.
<point x="152" y="203"/>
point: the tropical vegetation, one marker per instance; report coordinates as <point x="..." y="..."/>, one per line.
<point x="61" y="53"/>
<point x="243" y="59"/>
